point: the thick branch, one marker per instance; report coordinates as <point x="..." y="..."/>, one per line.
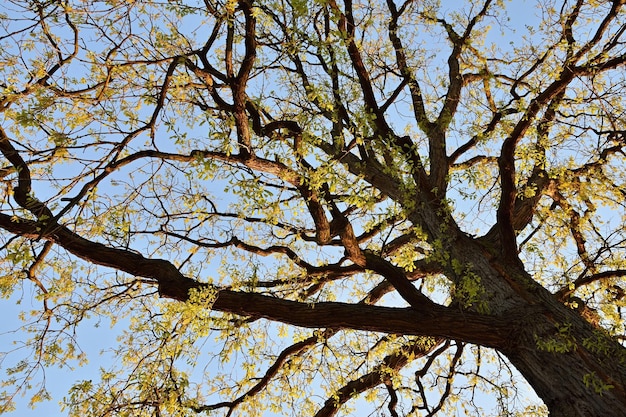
<point x="239" y="84"/>
<point x="506" y="162"/>
<point x="22" y="193"/>
<point x="347" y="26"/>
<point x="433" y="320"/>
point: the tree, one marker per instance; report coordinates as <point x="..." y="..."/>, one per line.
<point x="296" y="205"/>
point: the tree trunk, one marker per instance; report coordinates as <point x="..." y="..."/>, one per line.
<point x="577" y="369"/>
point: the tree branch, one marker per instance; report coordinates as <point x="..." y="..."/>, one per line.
<point x="423" y="319"/>
<point x="381" y="374"/>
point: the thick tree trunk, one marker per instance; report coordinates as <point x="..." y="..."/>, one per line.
<point x="575" y="368"/>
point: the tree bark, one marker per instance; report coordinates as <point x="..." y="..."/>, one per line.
<point x="585" y="376"/>
<point x="574" y="367"/>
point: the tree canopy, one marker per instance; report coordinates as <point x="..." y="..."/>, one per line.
<point x="306" y="207"/>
